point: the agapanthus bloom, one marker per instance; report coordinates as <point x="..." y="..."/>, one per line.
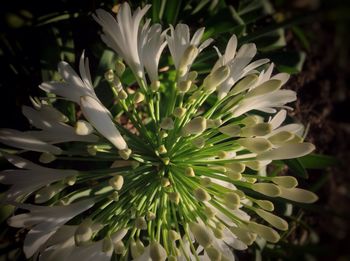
<point x="185" y="178"/>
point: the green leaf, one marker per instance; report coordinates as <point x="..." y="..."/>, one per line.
<point x="172" y="11"/>
<point x="296" y="167"/>
<point x="288" y="61"/>
<point x="318" y="161"/>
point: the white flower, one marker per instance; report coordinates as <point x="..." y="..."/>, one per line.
<point x="122" y="34"/>
<point x="52" y="129"/>
<point x="73" y="86"/>
<point x="237" y="62"/>
<point x="179" y="42"/>
<point x="44" y="221"/>
<point x="151" y="45"/>
<point x="29" y="177"/>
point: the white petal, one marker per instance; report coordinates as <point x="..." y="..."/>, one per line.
<point x="278" y="119"/>
<point x="97" y="115"/>
<point x="288" y="151"/>
<point x="22" y="140"/>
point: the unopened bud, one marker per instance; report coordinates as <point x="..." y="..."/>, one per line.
<point x="117" y="182"/>
<point x="150" y="216"/>
<point x="140" y="223"/>
<point x="264" y="231"/>
<point x="232" y="200"/>
<point x="222" y="154"/>
<point x="244" y="84"/>
<point x="91" y="149"/>
<point x="205" y="182"/>
<point x="265" y="204"/>
<point x="70" y="181"/>
<point x="173" y="235"/>
<point x="214" y="79"/>
<point x="267" y="189"/>
<point x="114" y="196"/>
<point x="236" y="167"/>
<point x="272" y="219"/>
<point x="256" y="145"/>
<point x="201" y="194"/>
<point x="213" y="253"/>
<point x="184" y="86"/>
<point x="179" y="112"/>
<point x="157" y="252"/>
<point x="187" y="59"/>
<point x="264" y="88"/>
<point x="199" y="142"/>
<point x="119" y="68"/>
<point x="230" y="130"/>
<point x="285" y="181"/>
<point x="82" y="234"/>
<point x="259" y="129"/>
<point x="138" y="97"/>
<point x="167" y="124"/>
<point x="281" y="137"/>
<point x="119" y="247"/>
<point x="201" y="234"/>
<point x="210" y="212"/>
<point x="192" y="75"/>
<point x="109" y="75"/>
<point x="122" y="94"/>
<point x="189" y="172"/>
<point x="125" y="153"/>
<point x="107" y="245"/>
<point x="162" y="149"/>
<point x="218" y="233"/>
<point x="155" y="86"/>
<point x="165" y="182"/>
<point x="174" y="197"/>
<point x="195" y="126"/>
<point x="83" y="128"/>
<point x="46" y="157"/>
<point x="233" y="175"/>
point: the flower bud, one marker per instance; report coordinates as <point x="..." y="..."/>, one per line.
<point x="122" y="94"/>
<point x="265" y="204"/>
<point x="264" y="231"/>
<point x="264" y="88"/>
<point x="281" y="137"/>
<point x="136" y="249"/>
<point x="162" y="149"/>
<point x="256" y="145"/>
<point x="150" y="215"/>
<point x="172" y="258"/>
<point x="267" y="189"/>
<point x="285" y="181"/>
<point x="235" y="166"/>
<point x="213" y="253"/>
<point x="119" y="67"/>
<point x="92" y="150"/>
<point x="47" y="193"/>
<point x="187" y="59"/>
<point x="174" y="197"/>
<point x="82" y="234"/>
<point x="272" y="219"/>
<point x="83" y="128"/>
<point x="218" y="233"/>
<point x="195" y="126"/>
<point x="155" y="86"/>
<point x="230" y="130"/>
<point x="184" y="86"/>
<point x="165" y="182"/>
<point x="205" y="182"/>
<point x="109" y="75"/>
<point x="157" y="252"/>
<point x="117" y="182"/>
<point x="119" y="247"/>
<point x="214" y="79"/>
<point x="232" y="200"/>
<point x="114" y="196"/>
<point x="234" y="175"/>
<point x="252" y="120"/>
<point x="167" y="124"/>
<point x="201" y="194"/>
<point x="201" y="234"/>
<point x="189" y="172"/>
<point x="140" y="223"/>
<point x="245" y="236"/>
<point x="163" y="134"/>
<point x="244" y="84"/>
<point x="107" y="245"/>
<point x="46" y="157"/>
<point x="173" y="235"/>
<point x="210" y="212"/>
<point x="125" y="153"/>
<point x="70" y="181"/>
<point x="298" y="195"/>
<point x="117" y="84"/>
<point x="199" y="142"/>
<point x="259" y="129"/>
<point x="138" y="97"/>
<point x="179" y="112"/>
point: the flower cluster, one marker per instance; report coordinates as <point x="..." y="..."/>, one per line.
<point x="185" y="178"/>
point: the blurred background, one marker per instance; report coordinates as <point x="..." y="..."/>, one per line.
<point x="306" y="38"/>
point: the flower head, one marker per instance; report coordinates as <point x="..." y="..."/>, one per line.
<point x="183" y="179"/>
